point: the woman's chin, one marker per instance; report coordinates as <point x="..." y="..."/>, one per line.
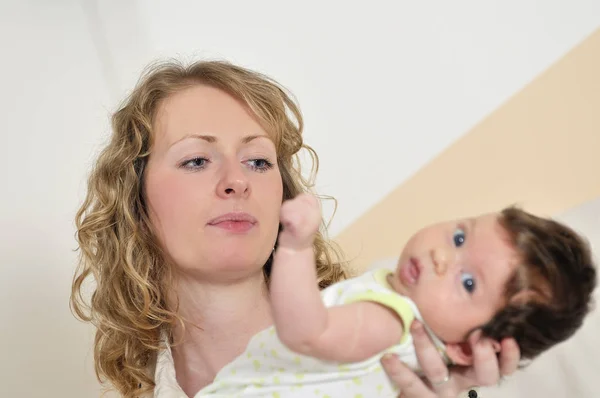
<point x="227" y="265"/>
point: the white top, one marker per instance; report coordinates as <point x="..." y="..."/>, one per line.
<point x="268" y="368"/>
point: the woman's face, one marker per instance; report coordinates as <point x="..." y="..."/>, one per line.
<point x="213" y="185"/>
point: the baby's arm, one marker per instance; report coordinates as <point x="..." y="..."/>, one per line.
<point x="345" y="333"/>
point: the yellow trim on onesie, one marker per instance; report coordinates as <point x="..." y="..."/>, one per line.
<point x="381" y="276"/>
<point x="393" y="302"/>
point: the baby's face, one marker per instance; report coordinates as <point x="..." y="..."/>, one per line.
<point x="456" y="272"/>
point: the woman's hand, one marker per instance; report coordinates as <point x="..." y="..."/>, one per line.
<point x="441" y="382"/>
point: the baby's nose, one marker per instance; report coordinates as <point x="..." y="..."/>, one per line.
<point x="440" y="260"/>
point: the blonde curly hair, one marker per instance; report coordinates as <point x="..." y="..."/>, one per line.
<point x="117" y="248"/>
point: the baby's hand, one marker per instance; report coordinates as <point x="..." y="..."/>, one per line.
<point x="300" y="218"/>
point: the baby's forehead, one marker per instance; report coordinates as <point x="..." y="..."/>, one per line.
<point x="487" y="223"/>
<point x="488" y="217"/>
<point x="490" y="242"/>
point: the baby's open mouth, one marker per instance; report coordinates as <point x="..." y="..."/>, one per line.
<point x="410" y="271"/>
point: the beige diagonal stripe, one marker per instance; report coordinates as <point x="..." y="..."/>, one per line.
<point x="540" y="150"/>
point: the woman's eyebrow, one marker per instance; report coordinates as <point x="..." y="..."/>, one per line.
<point x="207" y="138"/>
<point x="212" y="139"/>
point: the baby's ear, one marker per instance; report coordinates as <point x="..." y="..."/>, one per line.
<point x="460" y="353"/>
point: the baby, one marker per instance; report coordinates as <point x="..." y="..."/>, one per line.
<point x="510" y="274"/>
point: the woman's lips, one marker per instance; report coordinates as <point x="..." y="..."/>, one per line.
<point x="410" y="272"/>
<point x="236" y="222"/>
<point x="234" y="226"/>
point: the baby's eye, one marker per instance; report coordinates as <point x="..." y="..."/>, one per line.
<point x="468" y="282"/>
<point x="459" y="237"/>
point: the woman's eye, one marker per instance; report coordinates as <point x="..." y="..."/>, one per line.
<point x="195" y="163"/>
<point x="459" y="237"/>
<point x="468" y="282"/>
<point x="260" y="164"/>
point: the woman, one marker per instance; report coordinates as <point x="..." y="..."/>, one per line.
<point x="178" y="228"/>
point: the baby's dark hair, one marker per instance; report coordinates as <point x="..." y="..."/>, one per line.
<point x="550" y="292"/>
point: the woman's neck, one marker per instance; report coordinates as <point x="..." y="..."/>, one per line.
<point x="219" y="319"/>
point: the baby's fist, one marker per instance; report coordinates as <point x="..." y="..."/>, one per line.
<point x="300" y="218"/>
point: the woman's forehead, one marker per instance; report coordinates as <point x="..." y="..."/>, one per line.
<point x="204" y="111"/>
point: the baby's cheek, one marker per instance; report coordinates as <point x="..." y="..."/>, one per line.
<point x="444" y="319"/>
<point x="433" y="311"/>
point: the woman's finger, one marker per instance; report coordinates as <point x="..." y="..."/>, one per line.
<point x="428" y="356"/>
<point x="485" y="361"/>
<point x="486" y="370"/>
<point x="509" y="356"/>
<point x="409" y="384"/>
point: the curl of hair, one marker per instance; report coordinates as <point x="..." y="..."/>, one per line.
<point x="118" y="250"/>
<point x="551" y="291"/>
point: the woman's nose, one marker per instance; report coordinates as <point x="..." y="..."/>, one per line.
<point x="233" y="183"/>
<point x="440" y="259"/>
<point x="236" y="188"/>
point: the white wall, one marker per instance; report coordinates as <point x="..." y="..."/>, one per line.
<point x="53" y="111"/>
<point x="363" y="75"/>
<point x="372" y="72"/>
